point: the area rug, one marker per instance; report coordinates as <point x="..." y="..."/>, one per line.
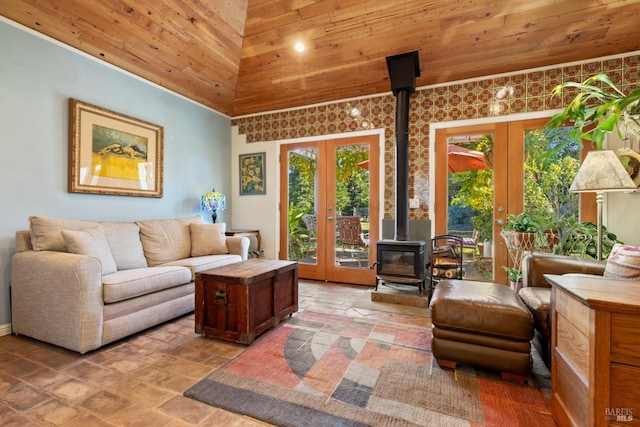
<point x="327" y="370"/>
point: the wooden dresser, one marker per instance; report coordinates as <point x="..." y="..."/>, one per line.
<point x="595" y="350"/>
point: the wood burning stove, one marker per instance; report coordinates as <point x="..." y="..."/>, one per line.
<point x="402" y="260"/>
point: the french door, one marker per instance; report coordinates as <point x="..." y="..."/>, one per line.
<point x="505" y="162"/>
<point x="329" y="208"/>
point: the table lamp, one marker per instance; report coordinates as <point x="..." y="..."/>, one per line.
<point x="601" y="171"/>
<point x="212" y="201"/>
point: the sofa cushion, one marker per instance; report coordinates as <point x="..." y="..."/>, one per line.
<point x="145" y="302"/>
<point x="46" y="232"/>
<point x="91" y="242"/>
<point x="124" y="241"/>
<point x="126" y="284"/>
<point x="623" y="263"/>
<point x="166" y="240"/>
<point x="538" y="301"/>
<point x="208" y="239"/>
<point x="202" y="263"/>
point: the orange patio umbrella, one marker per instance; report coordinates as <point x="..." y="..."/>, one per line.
<point x="364" y="164"/>
<point x="462" y="159"/>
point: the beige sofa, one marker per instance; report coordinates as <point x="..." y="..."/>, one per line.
<point x="82" y="284"/>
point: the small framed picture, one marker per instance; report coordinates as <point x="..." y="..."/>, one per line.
<point x="110" y="153"/>
<point x="252" y="174"/>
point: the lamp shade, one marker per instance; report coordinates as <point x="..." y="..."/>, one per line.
<point x="602" y="171"/>
<point x="213" y="200"/>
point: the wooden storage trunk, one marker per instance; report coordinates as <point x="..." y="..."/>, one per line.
<point x="240" y="301"/>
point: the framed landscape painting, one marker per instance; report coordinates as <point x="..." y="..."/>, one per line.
<point x="111" y="153"/>
<point x="252" y="174"/>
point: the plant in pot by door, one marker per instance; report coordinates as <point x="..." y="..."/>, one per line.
<point x="553" y="237"/>
<point x="579" y="239"/>
<point x="550" y="229"/>
<point x="515" y="278"/>
<point x="524" y="227"/>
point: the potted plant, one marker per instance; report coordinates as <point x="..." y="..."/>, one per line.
<point x="553" y="237"/>
<point x="515" y="277"/>
<point x="524" y="227"/>
<point x="597" y="109"/>
<point x="581" y="238"/>
<point x="549" y="227"/>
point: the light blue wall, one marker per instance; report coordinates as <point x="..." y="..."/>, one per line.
<point x="37" y="78"/>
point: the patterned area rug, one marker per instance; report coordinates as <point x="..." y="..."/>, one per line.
<point x="327" y="370"/>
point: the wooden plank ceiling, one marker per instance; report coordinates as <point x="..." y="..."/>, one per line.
<point x="238" y="57"/>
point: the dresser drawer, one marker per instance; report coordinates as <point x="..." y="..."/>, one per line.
<point x="574" y="345"/>
<point x="571" y="392"/>
<point x="625" y="393"/>
<point x="625" y="339"/>
<point x="572" y="332"/>
<point x="573" y="310"/>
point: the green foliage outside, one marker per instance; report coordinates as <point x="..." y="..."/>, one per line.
<point x="352" y="190"/>
<point x="552" y="164"/>
<point x="298" y="234"/>
<point x="352" y="181"/>
<point x="302" y="176"/>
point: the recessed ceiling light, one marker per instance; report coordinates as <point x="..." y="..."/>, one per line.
<point x="299" y="47"/>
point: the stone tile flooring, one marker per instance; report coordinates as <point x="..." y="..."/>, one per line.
<point x="139" y="381"/>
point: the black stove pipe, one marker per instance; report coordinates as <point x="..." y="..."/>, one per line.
<point x="403" y="70"/>
<point x="402" y="165"/>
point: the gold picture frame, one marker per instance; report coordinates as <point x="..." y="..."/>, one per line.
<point x="252" y="174"/>
<point x="111" y="153"/>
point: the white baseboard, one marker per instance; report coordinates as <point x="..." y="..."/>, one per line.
<point x="5" y="329"/>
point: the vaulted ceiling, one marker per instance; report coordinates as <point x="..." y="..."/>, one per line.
<point x="238" y="56"/>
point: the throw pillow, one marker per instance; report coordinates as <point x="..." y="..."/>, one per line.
<point x="91" y="242"/>
<point x="623" y="263"/>
<point x="124" y="241"/>
<point x="208" y="239"/>
<point x="166" y="240"/>
<point x="45" y="232"/>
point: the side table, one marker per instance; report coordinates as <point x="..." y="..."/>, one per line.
<point x="253" y="235"/>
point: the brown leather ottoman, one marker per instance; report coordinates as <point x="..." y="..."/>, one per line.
<point x="482" y="324"/>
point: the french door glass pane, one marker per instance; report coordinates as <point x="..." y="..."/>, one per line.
<point x="471" y="201"/>
<point x="352" y="206"/>
<point x="552" y="159"/>
<point x="302" y="209"/>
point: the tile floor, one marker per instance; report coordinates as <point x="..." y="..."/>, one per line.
<point x="139" y="381"/>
